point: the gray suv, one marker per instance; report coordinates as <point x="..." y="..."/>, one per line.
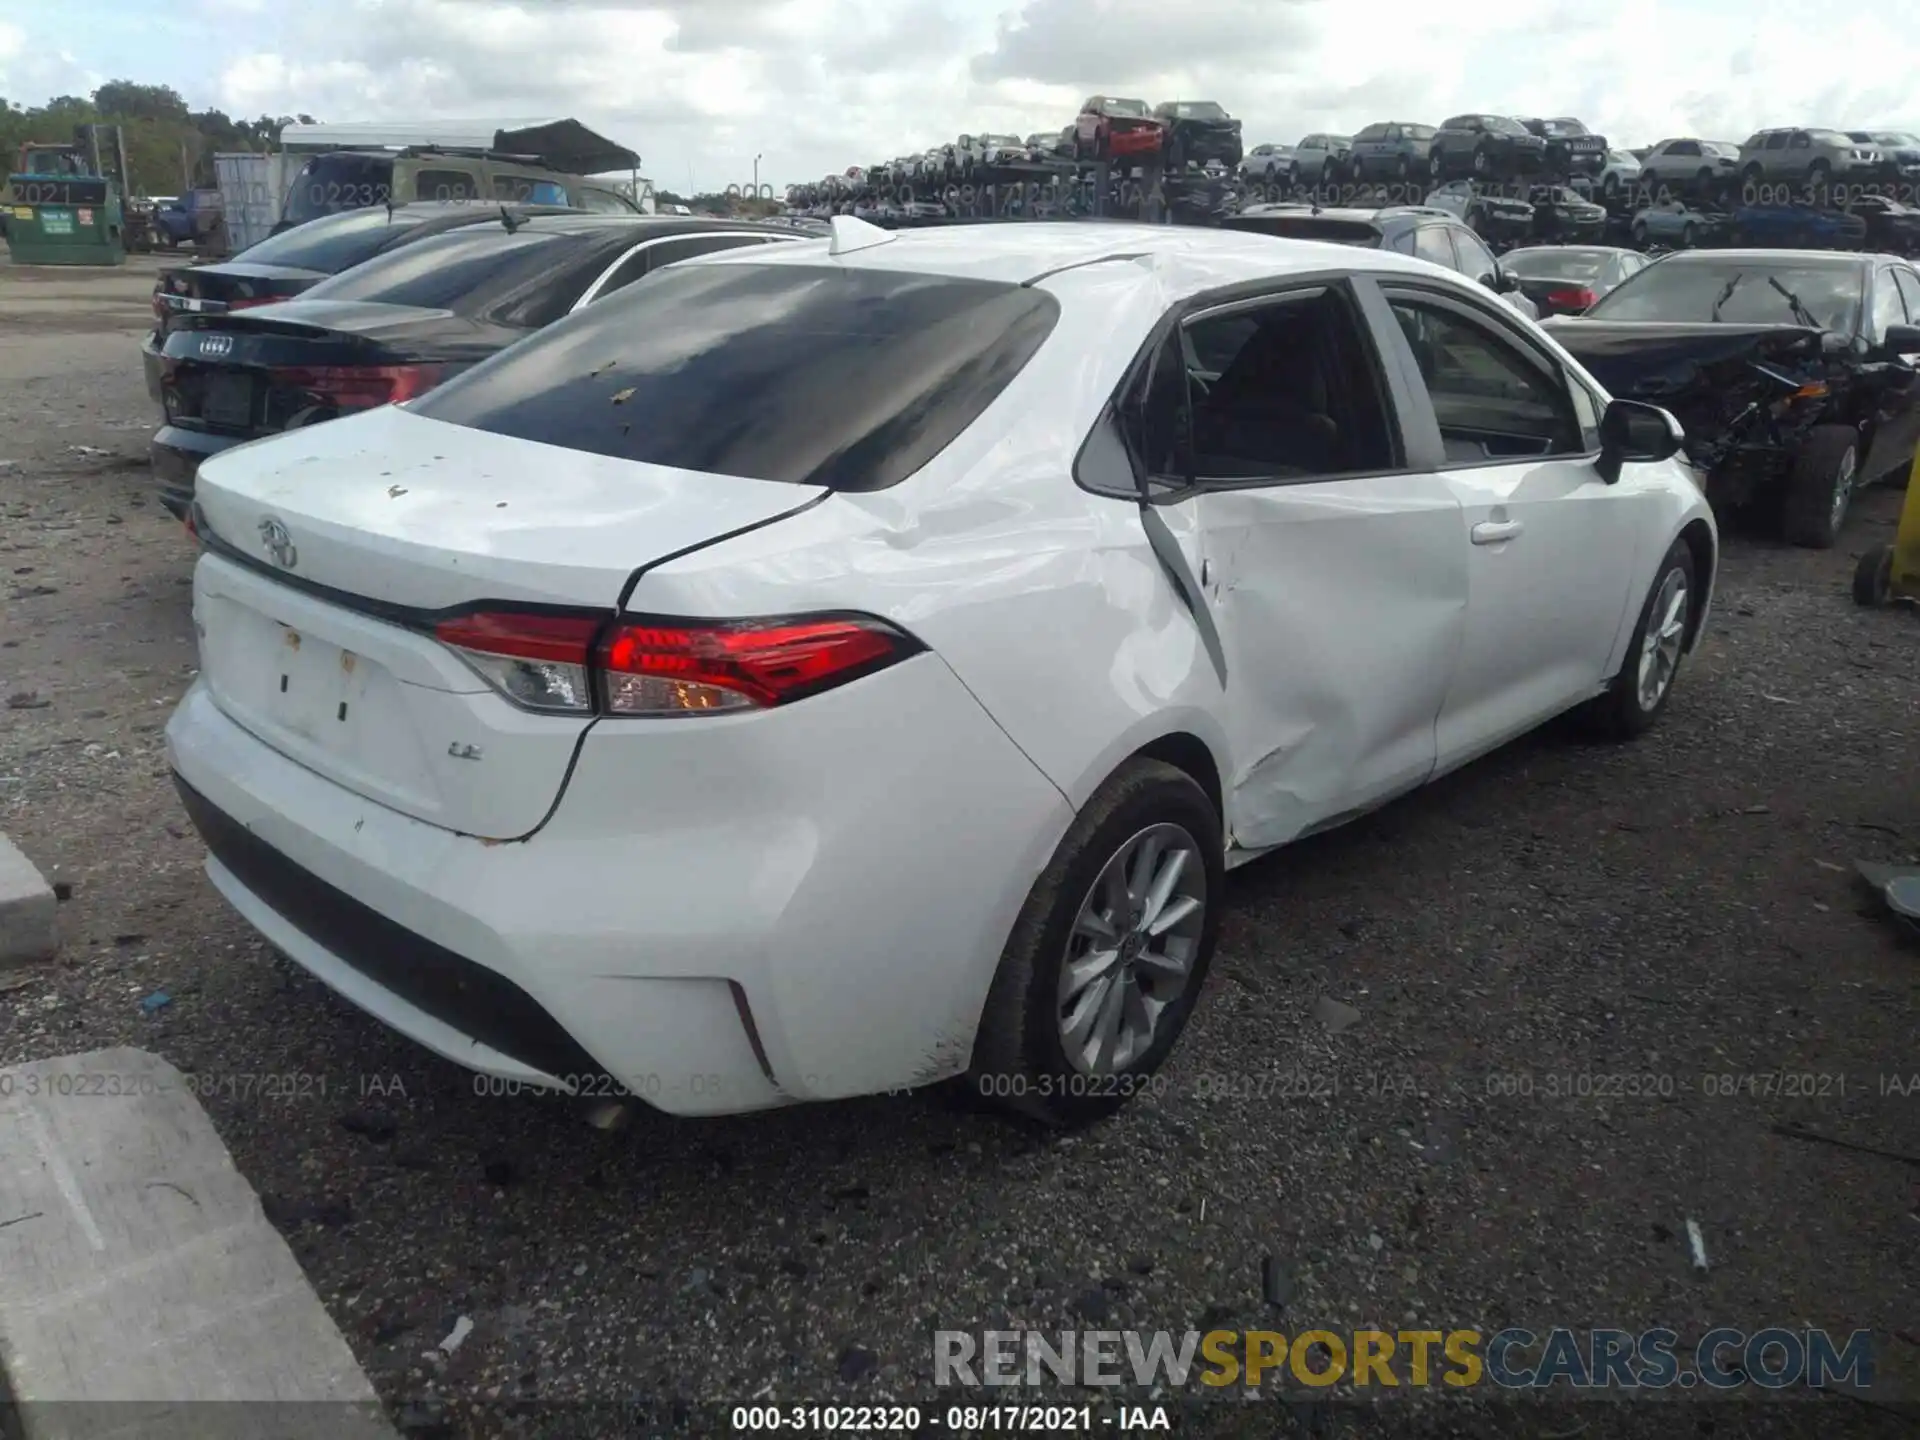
<point x="1813" y="156"/>
<point x="1321" y="159"/>
<point x="1392" y="150"/>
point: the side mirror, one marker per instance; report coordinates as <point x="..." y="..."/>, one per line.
<point x="1632" y="431"/>
<point x="1902" y="339"/>
<point x="1500" y="282"/>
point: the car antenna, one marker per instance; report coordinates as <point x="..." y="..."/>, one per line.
<point x="510" y="220"/>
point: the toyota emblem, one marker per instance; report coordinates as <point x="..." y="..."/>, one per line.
<point x="279" y="543"/>
<point x="216" y="344"/>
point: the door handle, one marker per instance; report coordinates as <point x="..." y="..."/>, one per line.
<point x="1492" y="532"/>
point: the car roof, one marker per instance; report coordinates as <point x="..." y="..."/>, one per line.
<point x="1183" y="260"/>
<point x="586" y="222"/>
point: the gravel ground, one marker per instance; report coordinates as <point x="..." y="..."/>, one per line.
<point x="1674" y="910"/>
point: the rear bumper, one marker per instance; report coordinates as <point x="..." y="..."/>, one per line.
<point x="718" y="926"/>
<point x="1133" y="142"/>
<point x="176" y="455"/>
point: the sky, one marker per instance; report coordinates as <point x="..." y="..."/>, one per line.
<point x="700" y="87"/>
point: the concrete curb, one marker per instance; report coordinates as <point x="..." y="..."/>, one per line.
<point x="145" y="1292"/>
<point x="26" y="910"/>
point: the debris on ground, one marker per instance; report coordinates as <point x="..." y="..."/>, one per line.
<point x="156" y="1002"/>
<point x="457" y="1336"/>
<point x="1335" y="1015"/>
<point x="1697" y="1246"/>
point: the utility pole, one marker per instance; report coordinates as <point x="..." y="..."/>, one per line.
<point x="756" y="177"/>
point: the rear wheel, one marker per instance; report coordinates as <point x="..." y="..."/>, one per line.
<point x="1639" y="692"/>
<point x="1482" y="161"/>
<point x="1640" y="234"/>
<point x="1109" y="954"/>
<point x="1819" y="487"/>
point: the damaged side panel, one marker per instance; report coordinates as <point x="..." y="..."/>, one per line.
<point x="1342" y="607"/>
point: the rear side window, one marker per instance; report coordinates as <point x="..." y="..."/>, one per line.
<point x="332" y="243"/>
<point x="848" y="378"/>
<point x="444" y="185"/>
<point x="328" y="184"/>
<point x="527" y="190"/>
<point x="466" y="270"/>
<point x="1307" y="227"/>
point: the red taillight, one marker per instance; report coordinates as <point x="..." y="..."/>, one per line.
<point x="657" y="667"/>
<point x="356" y="387"/>
<point x="1572" y="298"/>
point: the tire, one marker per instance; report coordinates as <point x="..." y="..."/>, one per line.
<point x="1873" y="577"/>
<point x="1177" y="155"/>
<point x="1752" y="175"/>
<point x="1610" y="185"/>
<point x="1637" y="695"/>
<point x="1482" y="162"/>
<point x="1403" y="172"/>
<point x="1819" y="172"/>
<point x="1640" y="234"/>
<point x="1020" y="1056"/>
<point x="1820" y="486"/>
<point x="1293" y="177"/>
<point x="1437" y="165"/>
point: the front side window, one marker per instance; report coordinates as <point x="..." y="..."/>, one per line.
<point x="1280" y="391"/>
<point x="1909" y="284"/>
<point x="1888" y="307"/>
<point x="1684" y="147"/>
<point x="1476" y="261"/>
<point x="1430" y="242"/>
<point x="1491" y="401"/>
<point x="812" y="375"/>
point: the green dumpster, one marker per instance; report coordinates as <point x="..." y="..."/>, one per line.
<point x="65" y="220"/>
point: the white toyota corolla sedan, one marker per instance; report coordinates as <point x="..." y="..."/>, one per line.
<point x="839" y="667"/>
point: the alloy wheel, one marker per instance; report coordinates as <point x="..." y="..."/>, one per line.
<point x="1132" y="948"/>
<point x="1843" y="486"/>
<point x="1666" y="633"/>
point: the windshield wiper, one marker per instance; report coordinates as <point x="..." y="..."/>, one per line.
<point x="1726" y="294"/>
<point x="1800" y="311"/>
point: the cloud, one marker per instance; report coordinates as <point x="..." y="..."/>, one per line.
<point x="817" y="85"/>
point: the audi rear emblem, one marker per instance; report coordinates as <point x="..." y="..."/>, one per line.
<point x="216" y="344"/>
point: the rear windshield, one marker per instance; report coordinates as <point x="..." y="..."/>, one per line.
<point x="849" y="378"/>
<point x="1127" y="107"/>
<point x="332" y="243"/>
<point x="1555" y="264"/>
<point x="328" y="184"/>
<point x="1307" y="227"/>
<point x="469" y="270"/>
<point x="1741" y="292"/>
<point x="1198" y="110"/>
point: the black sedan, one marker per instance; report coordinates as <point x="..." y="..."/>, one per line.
<point x="1567" y="279"/>
<point x="283" y="265"/>
<point x="394" y="327"/>
<point x="1792" y="371"/>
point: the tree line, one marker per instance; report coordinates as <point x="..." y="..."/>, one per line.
<point x="170" y="147"/>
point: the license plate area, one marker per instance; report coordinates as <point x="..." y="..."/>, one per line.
<point x="323" y="704"/>
<point x="227" y="399"/>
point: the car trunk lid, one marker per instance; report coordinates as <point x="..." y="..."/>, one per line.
<point x="290" y="365"/>
<point x="331" y="559"/>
